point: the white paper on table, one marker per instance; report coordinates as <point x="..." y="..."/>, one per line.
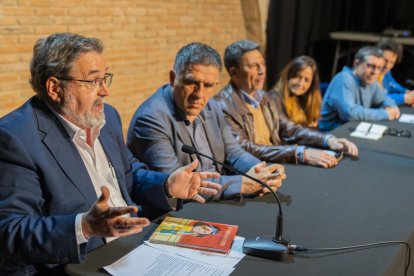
<point x="212" y="258"/>
<point x="145" y="261"/>
<point x="369" y="131"/>
<point x="406" y="118"/>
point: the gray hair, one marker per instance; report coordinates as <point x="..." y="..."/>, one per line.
<point x="388" y="44"/>
<point x="54" y="56"/>
<point x="366" y="51"/>
<point x="196" y="54"/>
<point x="236" y="50"/>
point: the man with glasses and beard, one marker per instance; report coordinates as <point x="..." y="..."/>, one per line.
<point x="68" y="184"/>
<point x="355" y="95"/>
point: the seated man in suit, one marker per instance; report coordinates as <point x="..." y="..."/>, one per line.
<point x="67" y="181"/>
<point x="257" y="123"/>
<point x="355" y="95"/>
<point x="180" y="114"/>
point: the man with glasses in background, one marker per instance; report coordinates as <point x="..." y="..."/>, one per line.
<point x="68" y="184"/>
<point x="355" y="95"/>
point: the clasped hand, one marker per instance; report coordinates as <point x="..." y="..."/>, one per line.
<point x="320" y="158"/>
<point x="393" y="112"/>
<point x="272" y="175"/>
<point x="344" y="145"/>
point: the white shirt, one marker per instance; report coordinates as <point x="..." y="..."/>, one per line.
<point x="99" y="168"/>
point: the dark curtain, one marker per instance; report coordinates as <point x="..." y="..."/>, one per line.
<point x="298" y="27"/>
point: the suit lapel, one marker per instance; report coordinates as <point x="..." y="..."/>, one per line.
<point x="183" y="134"/>
<point x="179" y="120"/>
<point x="213" y="134"/>
<point x="65" y="153"/>
<point x="112" y="152"/>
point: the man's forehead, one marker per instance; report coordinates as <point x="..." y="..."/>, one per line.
<point x="90" y="63"/>
<point x="252" y="55"/>
<point x="200" y="69"/>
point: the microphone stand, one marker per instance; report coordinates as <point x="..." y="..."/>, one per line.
<point x="275" y="248"/>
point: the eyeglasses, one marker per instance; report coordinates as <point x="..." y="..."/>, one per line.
<point x="374" y="67"/>
<point x="398" y="133"/>
<point x="94" y="84"/>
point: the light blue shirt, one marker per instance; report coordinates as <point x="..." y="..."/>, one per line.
<point x="395" y="90"/>
<point x="347" y="99"/>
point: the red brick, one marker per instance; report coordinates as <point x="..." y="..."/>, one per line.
<point x="141" y="39"/>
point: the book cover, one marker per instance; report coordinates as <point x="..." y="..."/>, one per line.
<point x="195" y="234"/>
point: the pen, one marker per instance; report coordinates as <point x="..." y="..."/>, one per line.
<point x="112" y="169"/>
<point x="368" y="130"/>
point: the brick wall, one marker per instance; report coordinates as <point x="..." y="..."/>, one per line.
<point x="141" y="39"/>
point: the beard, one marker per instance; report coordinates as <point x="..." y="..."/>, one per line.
<point x="86" y="120"/>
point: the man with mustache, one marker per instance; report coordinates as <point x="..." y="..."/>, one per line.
<point x="258" y="125"/>
<point x="355" y="95"/>
<point x="68" y="184"/>
<point x="179" y="113"/>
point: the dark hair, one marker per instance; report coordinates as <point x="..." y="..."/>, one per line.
<point x="388" y="44"/>
<point x="236" y="50"/>
<point x="196" y="54"/>
<point x="199" y="223"/>
<point x="366" y="51"/>
<point x="313" y="99"/>
<point x="54" y="56"/>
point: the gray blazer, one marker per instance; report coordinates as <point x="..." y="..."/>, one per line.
<point x="158" y="131"/>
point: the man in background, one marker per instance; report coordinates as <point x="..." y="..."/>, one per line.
<point x="355" y="95"/>
<point x="258" y="125"/>
<point x="393" y="55"/>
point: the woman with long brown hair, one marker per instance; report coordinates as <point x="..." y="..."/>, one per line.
<point x="297" y="91"/>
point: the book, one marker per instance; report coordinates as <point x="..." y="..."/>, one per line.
<point x="369" y="131"/>
<point x="195" y="234"/>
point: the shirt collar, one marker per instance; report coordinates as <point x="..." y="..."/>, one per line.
<point x="255" y="100"/>
<point x="354" y="76"/>
<point x="181" y="114"/>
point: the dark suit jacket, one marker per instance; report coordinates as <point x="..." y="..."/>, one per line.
<point x="158" y="130"/>
<point x="44" y="184"/>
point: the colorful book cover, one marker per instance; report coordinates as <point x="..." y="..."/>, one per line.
<point x="195" y="234"/>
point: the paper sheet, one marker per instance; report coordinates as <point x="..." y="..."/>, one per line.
<point x="407" y="118"/>
<point x="369" y="131"/>
<point x="223" y="260"/>
<point x="148" y="261"/>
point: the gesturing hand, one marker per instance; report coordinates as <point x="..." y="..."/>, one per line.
<point x="184" y="183"/>
<point x="105" y="221"/>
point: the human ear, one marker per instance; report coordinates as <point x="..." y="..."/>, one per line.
<point x="54" y="89"/>
<point x="172" y="77"/>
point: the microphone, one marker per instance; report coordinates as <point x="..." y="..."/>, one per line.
<point x="275" y="248"/>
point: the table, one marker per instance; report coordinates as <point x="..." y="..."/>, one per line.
<point x="359" y="37"/>
<point x="403" y="146"/>
<point x="359" y="201"/>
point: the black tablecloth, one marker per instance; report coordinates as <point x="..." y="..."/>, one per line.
<point x="358" y="202"/>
